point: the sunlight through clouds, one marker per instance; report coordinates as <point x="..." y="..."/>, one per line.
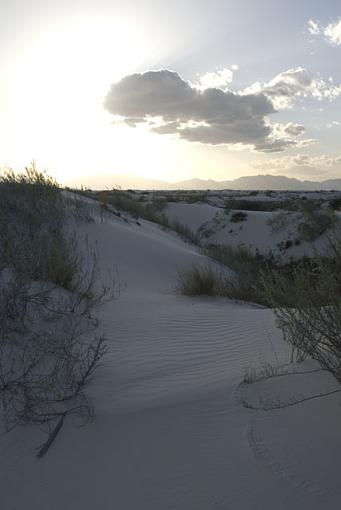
<point x="247" y="92"/>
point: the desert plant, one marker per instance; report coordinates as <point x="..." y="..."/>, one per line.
<point x="150" y="211"/>
<point x="238" y="217"/>
<point x="48" y="298"/>
<point x="279" y="221"/>
<point x="45" y="358"/>
<point x="242" y="282"/>
<point x="316" y="221"/>
<point x="200" y="280"/>
<point x="258" y="205"/>
<point x="335" y="204"/>
<point x="307" y="308"/>
<point x="33" y="216"/>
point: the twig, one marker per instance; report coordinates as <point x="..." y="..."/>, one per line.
<point x="46" y="446"/>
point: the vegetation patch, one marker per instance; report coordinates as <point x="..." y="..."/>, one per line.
<point x="238" y="217"/>
<point x="48" y="299"/>
<point x="307" y="307"/>
<point x="200" y="280"/>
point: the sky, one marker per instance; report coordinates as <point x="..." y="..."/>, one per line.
<point x="171" y="90"/>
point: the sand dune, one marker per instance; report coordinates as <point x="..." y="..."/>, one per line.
<point x="170" y="431"/>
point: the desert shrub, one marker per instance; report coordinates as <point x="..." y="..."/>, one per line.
<point x="123" y="201"/>
<point x="243" y="283"/>
<point x="151" y="211"/>
<point x="194" y="198"/>
<point x="46" y="356"/>
<point x="258" y="205"/>
<point x="182" y="230"/>
<point x="335" y="204"/>
<point x="279" y="221"/>
<point x="239" y="276"/>
<point x="48" y="297"/>
<point x="285" y="245"/>
<point x="77" y="208"/>
<point x="171" y="197"/>
<point x="313" y="220"/>
<point x="315" y="225"/>
<point x="32" y="237"/>
<point x="200" y="280"/>
<point x="316" y="221"/>
<point x="307" y="307"/>
<point x="238" y="217"/>
<point x="159" y="204"/>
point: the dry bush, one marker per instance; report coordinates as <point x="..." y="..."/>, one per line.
<point x="307" y="307"/>
<point x="200" y="280"/>
<point x="242" y="282"/>
<point x="279" y="221"/>
<point x="48" y="300"/>
<point x="32" y="228"/>
<point x="152" y="211"/>
<point x="316" y="220"/>
<point x="46" y="356"/>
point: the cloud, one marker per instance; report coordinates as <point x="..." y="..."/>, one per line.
<point x="331" y="32"/>
<point x="333" y="123"/>
<point x="300" y="164"/>
<point x="291" y="129"/>
<point x="285" y="88"/>
<point x="170" y="105"/>
<point x="313" y="27"/>
<point x="220" y="79"/>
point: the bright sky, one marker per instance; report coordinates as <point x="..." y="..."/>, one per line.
<point x="239" y="88"/>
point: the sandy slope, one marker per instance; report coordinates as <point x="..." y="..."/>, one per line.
<point x="170" y="431"/>
<point x="253" y="233"/>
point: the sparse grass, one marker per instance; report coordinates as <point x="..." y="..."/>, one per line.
<point x="244" y="282"/>
<point x="48" y="298"/>
<point x="32" y="220"/>
<point x="200" y="280"/>
<point x="252" y="375"/>
<point x="150" y="211"/>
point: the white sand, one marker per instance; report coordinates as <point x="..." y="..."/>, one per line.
<point x="170" y="432"/>
<point x="253" y="233"/>
<point x="191" y="215"/>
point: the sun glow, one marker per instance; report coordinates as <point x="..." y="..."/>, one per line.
<point x="55" y="114"/>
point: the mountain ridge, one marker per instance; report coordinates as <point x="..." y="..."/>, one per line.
<point x="253" y="182"/>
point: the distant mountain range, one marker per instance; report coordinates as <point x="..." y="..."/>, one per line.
<point x="253" y="182"/>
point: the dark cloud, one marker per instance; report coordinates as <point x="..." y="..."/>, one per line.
<point x="211" y="116"/>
